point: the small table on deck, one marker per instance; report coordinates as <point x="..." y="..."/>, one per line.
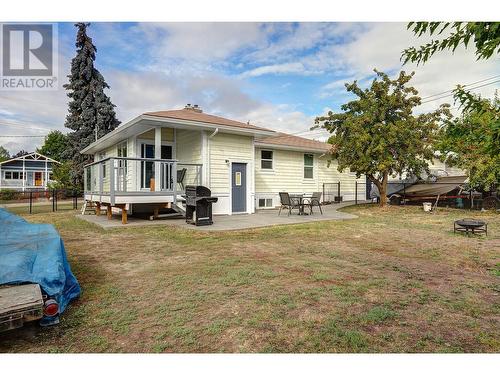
<point x="470" y="226"/>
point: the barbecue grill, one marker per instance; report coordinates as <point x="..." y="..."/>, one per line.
<point x="199" y="205"/>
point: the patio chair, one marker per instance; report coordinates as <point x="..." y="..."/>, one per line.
<point x="315" y="200"/>
<point x="288" y="203"/>
<point x="181" y="174"/>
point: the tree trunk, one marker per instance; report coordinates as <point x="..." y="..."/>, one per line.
<point x="382" y="188"/>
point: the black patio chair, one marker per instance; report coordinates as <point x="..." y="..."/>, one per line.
<point x="288" y="203"/>
<point x="181" y="174"/>
<point x="315" y="200"/>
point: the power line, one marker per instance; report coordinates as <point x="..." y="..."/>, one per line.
<point x="451" y="94"/>
<point x="469" y="84"/>
<point x="23" y="136"/>
<point x="21" y="126"/>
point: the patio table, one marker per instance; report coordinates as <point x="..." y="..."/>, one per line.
<point x="300" y="198"/>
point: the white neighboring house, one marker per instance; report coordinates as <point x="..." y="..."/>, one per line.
<point x="28" y="172"/>
<point x="148" y="161"/>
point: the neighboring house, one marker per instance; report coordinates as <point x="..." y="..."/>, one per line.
<point x="440" y="168"/>
<point x="154" y="156"/>
<point x="28" y="172"/>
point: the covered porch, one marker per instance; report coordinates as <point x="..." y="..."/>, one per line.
<point x="151" y="167"/>
<point x="27" y="172"/>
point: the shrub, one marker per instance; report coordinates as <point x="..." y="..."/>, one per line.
<point x="9" y="195"/>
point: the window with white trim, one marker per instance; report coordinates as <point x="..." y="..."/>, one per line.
<point x="121" y="152"/>
<point x="266" y="159"/>
<point x="122" y="149"/>
<point x="308" y="165"/>
<point x="13" y="175"/>
<point x="265" y="202"/>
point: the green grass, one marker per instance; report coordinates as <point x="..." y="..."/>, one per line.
<point x="394" y="280"/>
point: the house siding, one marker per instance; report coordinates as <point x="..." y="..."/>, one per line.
<point x="438" y="165"/>
<point x="234" y="148"/>
<point x="288" y="175"/>
<point x="227" y="147"/>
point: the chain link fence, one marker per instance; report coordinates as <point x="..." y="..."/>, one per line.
<point x="439" y="194"/>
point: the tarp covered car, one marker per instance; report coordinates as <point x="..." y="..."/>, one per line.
<point x="34" y="254"/>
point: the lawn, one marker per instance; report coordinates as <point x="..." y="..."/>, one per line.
<point x="394" y="280"/>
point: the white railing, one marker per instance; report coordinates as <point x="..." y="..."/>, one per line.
<point x="139" y="176"/>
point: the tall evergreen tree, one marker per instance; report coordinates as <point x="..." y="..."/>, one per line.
<point x="91" y="113"/>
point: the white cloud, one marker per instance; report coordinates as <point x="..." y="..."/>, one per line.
<point x="148" y="91"/>
<point x="380" y="47"/>
<point x="274" y="69"/>
<point x="202" y="42"/>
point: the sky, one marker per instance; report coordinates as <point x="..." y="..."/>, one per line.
<point x="276" y="75"/>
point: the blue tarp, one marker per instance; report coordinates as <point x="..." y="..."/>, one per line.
<point x="34" y="253"/>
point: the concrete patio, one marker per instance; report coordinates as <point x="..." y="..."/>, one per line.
<point x="262" y="218"/>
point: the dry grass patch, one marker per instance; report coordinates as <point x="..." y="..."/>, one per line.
<point x="394" y="280"/>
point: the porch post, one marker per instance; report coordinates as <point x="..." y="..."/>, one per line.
<point x="24" y="175"/>
<point x="46" y="178"/>
<point x="111" y="182"/>
<point x="157" y="156"/>
<point x="1" y="176"/>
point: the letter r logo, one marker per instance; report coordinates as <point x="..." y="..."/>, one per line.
<point x="27" y="50"/>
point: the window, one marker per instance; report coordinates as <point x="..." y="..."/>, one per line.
<point x="11" y="175"/>
<point x="265" y="202"/>
<point x="308" y="165"/>
<point x="121" y="152"/>
<point x="266" y="159"/>
<point x="237" y="179"/>
<point x="122" y="149"/>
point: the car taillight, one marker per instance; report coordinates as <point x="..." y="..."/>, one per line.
<point x="50" y="308"/>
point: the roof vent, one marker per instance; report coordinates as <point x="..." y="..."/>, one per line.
<point x="194" y="107"/>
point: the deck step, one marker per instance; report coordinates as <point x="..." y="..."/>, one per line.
<point x="180" y="207"/>
<point x="88" y="207"/>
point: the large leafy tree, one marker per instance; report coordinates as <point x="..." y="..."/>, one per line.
<point x="471" y="142"/>
<point x="378" y="135"/>
<point x="471" y="137"/>
<point x="4" y="154"/>
<point x="484" y="35"/>
<point x="62" y="176"/>
<point x="54" y="145"/>
<point x="91" y="113"/>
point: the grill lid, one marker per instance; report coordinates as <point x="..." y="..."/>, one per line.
<point x="197" y="191"/>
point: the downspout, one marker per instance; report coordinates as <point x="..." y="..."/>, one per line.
<point x="208" y="155"/>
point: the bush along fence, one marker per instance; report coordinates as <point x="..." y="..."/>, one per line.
<point x="439" y="194"/>
<point x="35" y="201"/>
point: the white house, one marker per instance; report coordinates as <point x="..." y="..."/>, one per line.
<point x="147" y="161"/>
<point x="28" y="172"/>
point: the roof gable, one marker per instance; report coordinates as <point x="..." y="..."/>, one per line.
<point x="33" y="156"/>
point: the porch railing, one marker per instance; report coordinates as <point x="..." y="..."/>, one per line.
<point x="139" y="176"/>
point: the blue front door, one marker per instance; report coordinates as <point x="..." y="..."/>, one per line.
<point x="239" y="187"/>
